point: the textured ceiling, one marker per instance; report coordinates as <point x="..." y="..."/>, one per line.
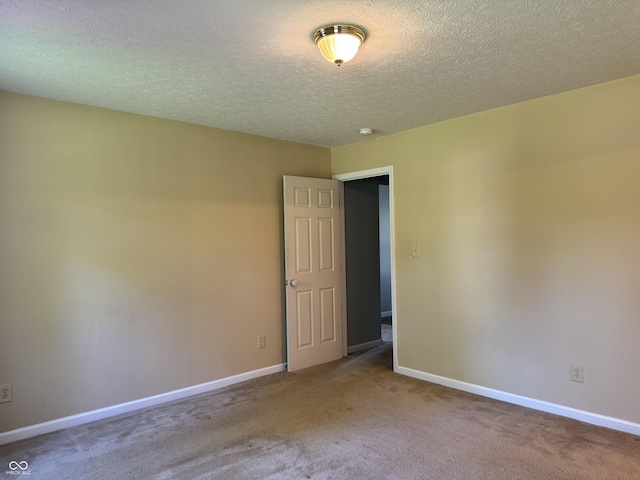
<point x="251" y="65"/>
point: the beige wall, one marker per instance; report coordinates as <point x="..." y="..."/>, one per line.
<point x="528" y="221"/>
<point x="137" y="255"/>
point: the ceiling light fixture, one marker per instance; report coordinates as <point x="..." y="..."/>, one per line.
<point x="339" y="43"/>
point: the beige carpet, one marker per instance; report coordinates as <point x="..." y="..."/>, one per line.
<point x="351" y="419"/>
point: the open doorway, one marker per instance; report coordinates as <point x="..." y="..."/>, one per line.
<point x="368" y="246"/>
<point x="368" y="287"/>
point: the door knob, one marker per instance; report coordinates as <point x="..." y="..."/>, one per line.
<point x="294" y="283"/>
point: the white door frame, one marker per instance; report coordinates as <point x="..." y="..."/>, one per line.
<point x="345" y="177"/>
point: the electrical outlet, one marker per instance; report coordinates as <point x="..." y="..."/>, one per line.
<point x="5" y="393"/>
<point x="262" y="341"/>
<point x="576" y="373"/>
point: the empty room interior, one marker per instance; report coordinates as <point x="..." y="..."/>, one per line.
<point x="146" y="285"/>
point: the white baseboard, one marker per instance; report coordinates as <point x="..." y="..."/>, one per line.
<point x="364" y="346"/>
<point x="587" y="417"/>
<point x="386" y="314"/>
<point x="99" y="414"/>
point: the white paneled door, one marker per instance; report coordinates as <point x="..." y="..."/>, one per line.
<point x="313" y="270"/>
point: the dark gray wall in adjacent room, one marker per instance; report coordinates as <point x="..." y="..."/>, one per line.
<point x="362" y="260"/>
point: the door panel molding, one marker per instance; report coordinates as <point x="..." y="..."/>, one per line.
<point x="313" y="269"/>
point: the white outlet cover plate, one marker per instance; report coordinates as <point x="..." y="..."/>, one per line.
<point x="5" y="393"/>
<point x="577" y="373"/>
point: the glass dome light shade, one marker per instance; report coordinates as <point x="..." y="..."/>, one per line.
<point x="339" y="43"/>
